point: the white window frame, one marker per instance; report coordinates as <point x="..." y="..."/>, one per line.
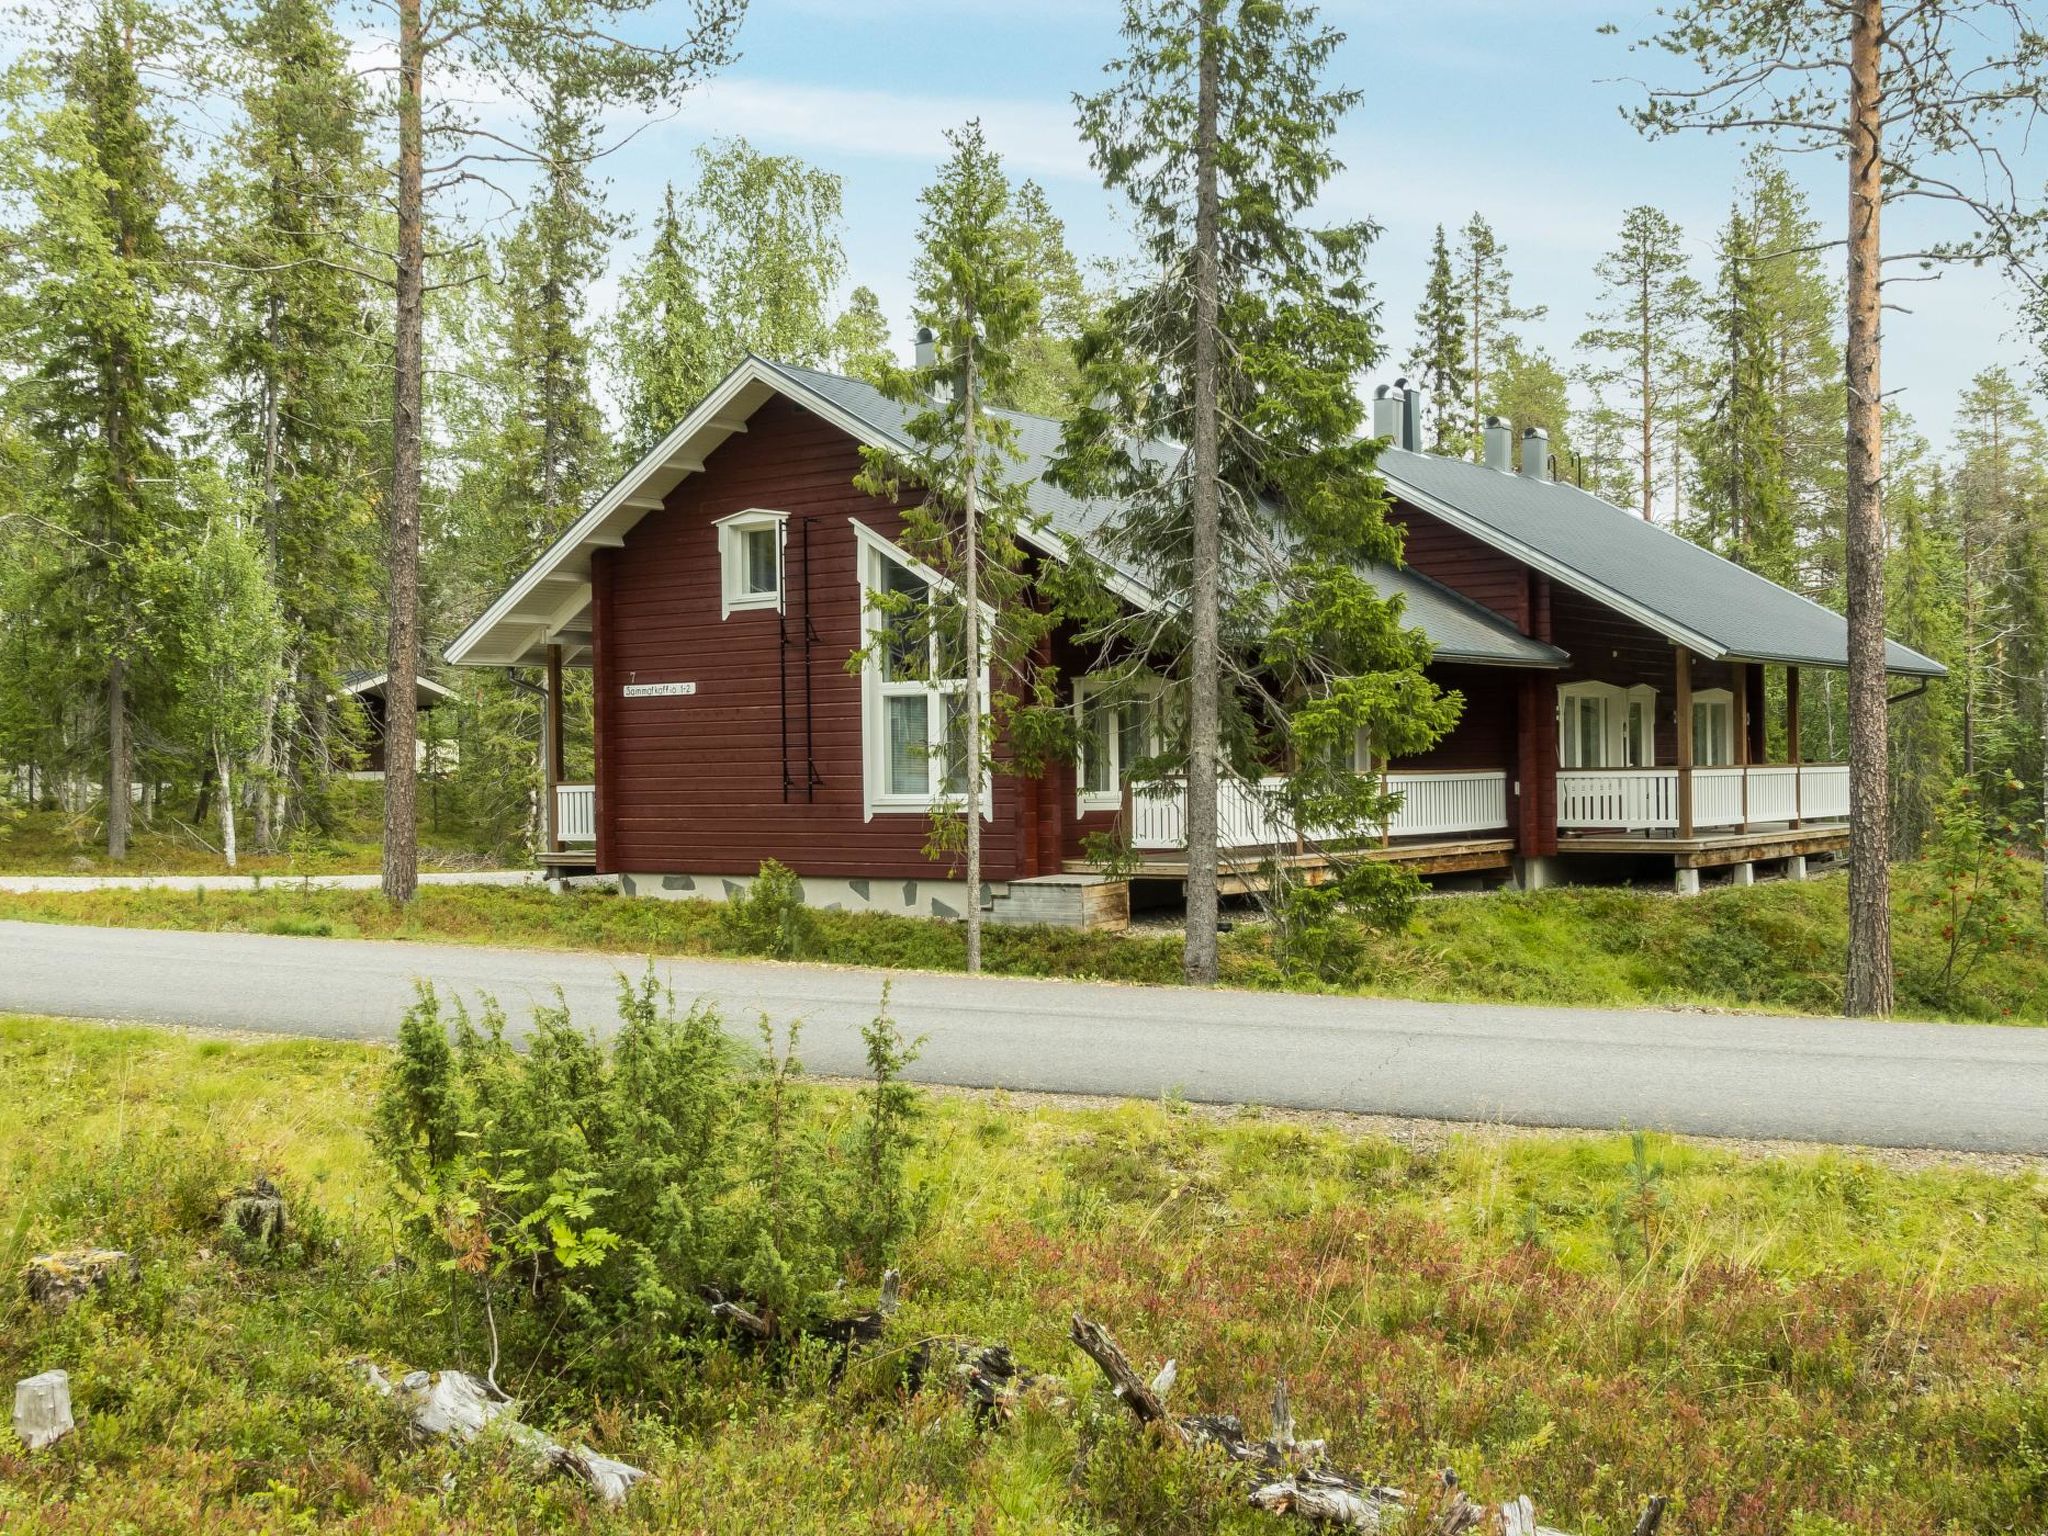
<point x="877" y="799"/>
<point x="1716" y="701"/>
<point x="1616" y="703"/>
<point x="1152" y="689"/>
<point x="733" y="596"/>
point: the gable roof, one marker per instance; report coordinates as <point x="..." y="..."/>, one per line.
<point x="365" y="682"/>
<point x="550" y="602"/>
<point x="1690" y="595"/>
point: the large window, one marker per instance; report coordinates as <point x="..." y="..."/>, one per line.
<point x="1603" y="725"/>
<point x="1713" y="728"/>
<point x="1119" y="729"/>
<point x="915" y="686"/>
<point x="750" y="560"/>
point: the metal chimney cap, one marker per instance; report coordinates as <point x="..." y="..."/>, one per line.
<point x="1383" y="392"/>
<point x="1401" y="384"/>
<point x="1496" y="421"/>
<point x="926" y="334"/>
<point x="1529" y="432"/>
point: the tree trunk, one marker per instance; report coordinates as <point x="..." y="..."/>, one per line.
<point x="271" y="753"/>
<point x="2044" y="789"/>
<point x="224" y="769"/>
<point x="1204" y="661"/>
<point x="1869" y="989"/>
<point x="970" y="516"/>
<point x="120" y="758"/>
<point x="1649" y="444"/>
<point x="401" y="699"/>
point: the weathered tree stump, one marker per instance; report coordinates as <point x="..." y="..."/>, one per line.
<point x="60" y="1278"/>
<point x="42" y="1409"/>
<point x="255" y="1213"/>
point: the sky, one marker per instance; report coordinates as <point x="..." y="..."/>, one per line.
<point x="1508" y="107"/>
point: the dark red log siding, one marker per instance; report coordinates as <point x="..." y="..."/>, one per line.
<point x="1484" y="736"/>
<point x="696" y="784"/>
<point x="1460" y="562"/>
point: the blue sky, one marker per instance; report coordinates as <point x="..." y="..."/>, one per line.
<point x="1510" y="107"/>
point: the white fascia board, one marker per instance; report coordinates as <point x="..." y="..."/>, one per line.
<point x="623" y="495"/>
<point x="1535" y="559"/>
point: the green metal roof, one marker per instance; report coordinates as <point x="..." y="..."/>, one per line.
<point x="1670" y="583"/>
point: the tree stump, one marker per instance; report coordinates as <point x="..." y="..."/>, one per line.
<point x="57" y="1279"/>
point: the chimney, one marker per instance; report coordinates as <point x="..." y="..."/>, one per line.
<point x="1386" y="414"/>
<point x="927" y="348"/>
<point x="1500" y="445"/>
<point x="1535" y="453"/>
<point x="1411" y="416"/>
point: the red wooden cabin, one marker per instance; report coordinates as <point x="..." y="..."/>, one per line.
<point x="1614" y="678"/>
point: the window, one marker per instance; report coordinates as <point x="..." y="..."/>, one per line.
<point x="750" y="560"/>
<point x="1115" y="737"/>
<point x="1713" y="728"/>
<point x="1603" y="725"/>
<point x="914" y="686"/>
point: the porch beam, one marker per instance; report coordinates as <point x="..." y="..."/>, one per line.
<point x="555" y="757"/>
<point x="1682" y="693"/>
<point x="1792" y="751"/>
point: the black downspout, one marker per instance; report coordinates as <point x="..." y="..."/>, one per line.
<point x="811" y="637"/>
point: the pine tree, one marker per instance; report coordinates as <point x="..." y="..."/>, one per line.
<point x="108" y="369"/>
<point x="1440" y="358"/>
<point x="1640" y="336"/>
<point x="1530" y="390"/>
<point x="976" y="293"/>
<point x="1244" y="346"/>
<point x="1488" y="288"/>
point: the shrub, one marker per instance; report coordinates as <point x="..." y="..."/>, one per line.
<point x="770" y="918"/>
<point x="1321" y="931"/>
<point x="1981" y="884"/>
<point x="610" y="1191"/>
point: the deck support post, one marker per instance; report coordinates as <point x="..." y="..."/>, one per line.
<point x="1741" y="742"/>
<point x="1685" y="882"/>
<point x="554" y="757"/>
<point x="1683" y="693"/>
<point x="1793" y="755"/>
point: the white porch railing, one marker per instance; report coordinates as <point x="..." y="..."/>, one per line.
<point x="576" y="813"/>
<point x="1646" y="799"/>
<point x="1249" y="815"/>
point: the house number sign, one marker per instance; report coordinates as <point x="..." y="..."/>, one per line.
<point x="658" y="690"/>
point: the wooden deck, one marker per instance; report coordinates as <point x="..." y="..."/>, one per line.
<point x="1714" y="849"/>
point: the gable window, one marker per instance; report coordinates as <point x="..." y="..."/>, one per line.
<point x="1603" y="725"/>
<point x="1116" y="735"/>
<point x="914" y="686"/>
<point x="1713" y="728"/>
<point x="750" y="560"/>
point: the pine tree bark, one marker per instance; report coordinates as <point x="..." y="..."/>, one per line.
<point x="970" y="516"/>
<point x="401" y="696"/>
<point x="1869" y="983"/>
<point x="1204" y="660"/>
<point x="1649" y="442"/>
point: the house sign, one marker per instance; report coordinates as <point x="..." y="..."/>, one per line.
<point x="658" y="690"/>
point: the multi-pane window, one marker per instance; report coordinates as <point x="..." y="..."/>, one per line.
<point x="1116" y="735"/>
<point x="1604" y="725"/>
<point x="917" y="689"/>
<point x="750" y="560"/>
<point x="1713" y="731"/>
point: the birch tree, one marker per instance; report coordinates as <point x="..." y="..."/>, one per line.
<point x="231" y="637"/>
<point x="1915" y="97"/>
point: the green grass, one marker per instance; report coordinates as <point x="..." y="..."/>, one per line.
<point x="1803" y="1345"/>
<point x="1775" y="947"/>
<point x="64" y="843"/>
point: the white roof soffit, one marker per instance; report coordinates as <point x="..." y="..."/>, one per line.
<point x="1692" y="640"/>
<point x="551" y="601"/>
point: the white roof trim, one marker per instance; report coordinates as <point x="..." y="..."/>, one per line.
<point x="384" y="677"/>
<point x="1557" y="570"/>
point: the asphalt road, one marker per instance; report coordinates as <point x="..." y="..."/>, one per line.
<point x="1962" y="1087"/>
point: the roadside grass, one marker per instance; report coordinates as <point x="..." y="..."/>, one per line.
<point x="1813" y="1344"/>
<point x="1774" y="947"/>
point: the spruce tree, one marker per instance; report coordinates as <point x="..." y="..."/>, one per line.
<point x="1440" y="360"/>
<point x="1243" y="346"/>
<point x="1488" y="288"/>
<point x="660" y="340"/>
<point x="108" y="366"/>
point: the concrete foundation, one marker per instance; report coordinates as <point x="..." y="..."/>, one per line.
<point x="1537" y="873"/>
<point x="1742" y="874"/>
<point x="1063" y="901"/>
<point x="1795" y="867"/>
<point x="1686" y="882"/>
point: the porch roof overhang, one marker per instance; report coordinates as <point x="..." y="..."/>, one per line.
<point x="1693" y="597"/>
